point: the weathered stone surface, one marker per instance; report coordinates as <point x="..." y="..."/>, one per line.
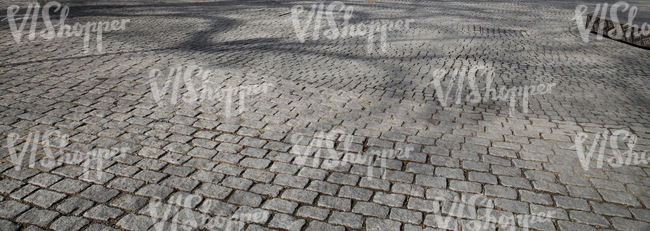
<point x="339" y="131"/>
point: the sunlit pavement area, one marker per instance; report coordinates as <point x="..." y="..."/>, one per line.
<point x="324" y="134"/>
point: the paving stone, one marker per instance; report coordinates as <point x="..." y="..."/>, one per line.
<point x="571" y="226"/>
<point x="150" y="176"/>
<point x="258" y="175"/>
<point x="254" y="227"/>
<point x="409" y="227"/>
<point x="125" y="184"/>
<point x="443" y="222"/>
<point x="464" y="186"/>
<point x="571" y="203"/>
<point x="280" y="205"/>
<point x="129" y="202"/>
<point x="314" y="174"/>
<point x="184" y="184"/>
<point x="373" y="183"/>
<point x="428" y="206"/>
<point x="405" y="216"/>
<point x="512" y="206"/>
<point x="9" y="185"/>
<point x="287" y="222"/>
<point x="135" y="222"/>
<point x="21" y="174"/>
<point x="8" y="225"/>
<point x="155" y="191"/>
<point x="550" y="212"/>
<point x="610" y="209"/>
<point x="44" y="179"/>
<point x="500" y="191"/>
<point x="74" y="205"/>
<point x="641" y="214"/>
<point x="103" y="213"/>
<point x="99" y="227"/>
<point x="371" y="209"/>
<point x="398" y="176"/>
<point x="588" y="218"/>
<point x="441" y="194"/>
<point x="429" y="181"/>
<point x="584" y="192"/>
<point x="335" y="203"/>
<point x="180" y="171"/>
<point x="408" y="189"/>
<point x="255" y="163"/>
<point x="33" y="228"/>
<point x="537" y="198"/>
<point x="10" y="209"/>
<point x="160" y="210"/>
<point x="346" y="219"/>
<point x="251" y="215"/>
<point x="619" y="197"/>
<point x="506" y="171"/>
<point x="450" y="173"/>
<point x="245" y="198"/>
<point x="290" y="181"/>
<point x="550" y="187"/>
<point x="216" y="207"/>
<point x="482" y="177"/>
<point x="607" y="184"/>
<point x="392" y="200"/>
<point x="266" y="189"/>
<point x="313" y="212"/>
<point x="382" y="224"/>
<point x="419" y="168"/>
<point x="228" y="169"/>
<point x="207" y="176"/>
<point x="37" y="217"/>
<point x="339" y="178"/>
<point x="44" y="198"/>
<point x="317" y="225"/>
<point x="298" y="195"/>
<point x="355" y="193"/>
<point x="280" y="167"/>
<point x="516" y="182"/>
<point x="23" y="192"/>
<point x="625" y="224"/>
<point x="214" y="191"/>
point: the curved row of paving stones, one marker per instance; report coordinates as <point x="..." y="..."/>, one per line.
<point x="526" y="164"/>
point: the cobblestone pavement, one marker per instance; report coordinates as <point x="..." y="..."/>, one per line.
<point x="289" y="157"/>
